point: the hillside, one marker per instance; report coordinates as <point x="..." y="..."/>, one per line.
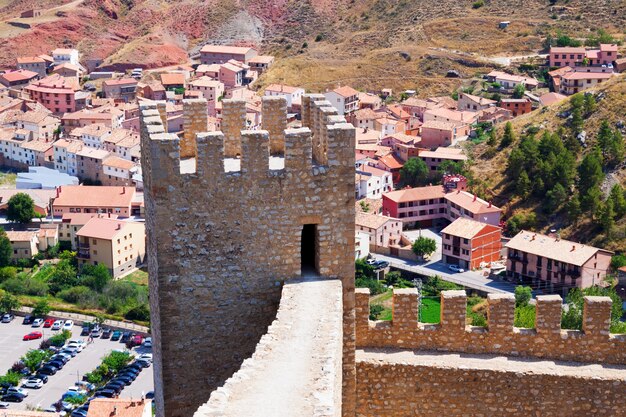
<point x="495" y="184"/>
<point x="366" y="43"/>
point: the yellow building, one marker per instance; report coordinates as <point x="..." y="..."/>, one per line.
<point x="24" y="244"/>
<point x="119" y="245"/>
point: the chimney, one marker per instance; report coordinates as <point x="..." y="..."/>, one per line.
<point x="474" y="197"/>
<point x="58" y="192"/>
<point x="573" y="248"/>
<point x="114" y="412"/>
<point x="489" y="204"/>
<point x="533" y="238"/>
<point x="109" y="215"/>
<point x="124" y="190"/>
<point x="458" y="191"/>
<point x="118" y="226"/>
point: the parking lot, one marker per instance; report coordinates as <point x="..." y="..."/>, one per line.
<point x="12" y="348"/>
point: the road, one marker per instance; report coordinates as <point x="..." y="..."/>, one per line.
<point x="12" y="348"/>
<point x="468" y="279"/>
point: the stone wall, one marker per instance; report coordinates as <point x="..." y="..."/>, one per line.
<point x="593" y="344"/>
<point x="407" y="383"/>
<point x="233" y="122"/>
<point x="220" y="246"/>
<point x="274" y="110"/>
<point x="195" y="121"/>
<point x="296" y="367"/>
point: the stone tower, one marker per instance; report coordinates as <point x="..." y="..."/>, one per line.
<point x="224" y="237"/>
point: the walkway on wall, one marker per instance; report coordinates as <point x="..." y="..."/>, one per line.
<point x="296" y="367"/>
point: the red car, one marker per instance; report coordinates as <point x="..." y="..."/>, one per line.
<point x="48" y="323"/>
<point x="137" y="340"/>
<point x="33" y="336"/>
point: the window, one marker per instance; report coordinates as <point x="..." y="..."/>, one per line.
<point x="466" y="241"/>
<point x="94" y="241"/>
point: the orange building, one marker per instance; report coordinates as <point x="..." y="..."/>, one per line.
<point x="517" y="106"/>
<point x="468" y="243"/>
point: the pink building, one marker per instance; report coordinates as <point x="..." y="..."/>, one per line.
<point x="437" y="133"/>
<point x="55" y="93"/>
<point x="554" y="264"/>
<point x="219" y="54"/>
<point x="572" y="57"/>
<point x="468" y="243"/>
<point x="382" y="230"/>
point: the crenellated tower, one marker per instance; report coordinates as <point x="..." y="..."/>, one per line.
<point x="230" y="217"/>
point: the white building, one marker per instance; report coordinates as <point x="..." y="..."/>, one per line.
<point x="94" y="135"/>
<point x="361" y="245"/>
<point x="65" y="155"/>
<point x="293" y="95"/>
<point x="65" y="56"/>
<point x="372" y="182"/>
<point x="345" y="99"/>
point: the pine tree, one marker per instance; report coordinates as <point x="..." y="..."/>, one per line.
<point x="493" y="139"/>
<point x="615" y="152"/>
<point x="590" y="199"/>
<point x="619" y="201"/>
<point x="555" y="198"/>
<point x="573" y="209"/>
<point x="577" y="121"/>
<point x="508" y="137"/>
<point x="590" y="171"/>
<point x="590" y="104"/>
<point x="606" y="217"/>
<point x="523" y="186"/>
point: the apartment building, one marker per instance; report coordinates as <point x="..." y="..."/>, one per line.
<point x="96" y="199"/>
<point x="117" y="171"/>
<point x="220" y="54"/>
<point x="32" y="63"/>
<point x="293" y="95"/>
<point x="57" y="94"/>
<point x="371" y="182"/>
<point x="553" y="264"/>
<point x="468" y="243"/>
<point x="71" y="223"/>
<point x="89" y="161"/>
<point x="345" y="99"/>
<point x="383" y="231"/>
<point x="517" y="106"/>
<point x="119" y="245"/>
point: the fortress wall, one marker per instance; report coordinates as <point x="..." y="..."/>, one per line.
<point x="221" y="244"/>
<point x="594" y="344"/>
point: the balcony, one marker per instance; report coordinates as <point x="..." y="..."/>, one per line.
<point x="83" y="250"/>
<point x="518" y="258"/>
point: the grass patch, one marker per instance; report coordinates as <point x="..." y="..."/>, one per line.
<point x="139" y="277"/>
<point x="7" y="179"/>
<point x="430" y="310"/>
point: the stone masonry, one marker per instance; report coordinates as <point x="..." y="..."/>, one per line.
<point x="274" y="111"/>
<point x="194" y="121"/>
<point x="221" y="244"/>
<point x="233" y="122"/>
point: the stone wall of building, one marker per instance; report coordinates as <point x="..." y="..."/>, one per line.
<point x="195" y="120"/>
<point x="220" y="245"/>
<point x="408" y="383"/>
<point x="233" y="122"/>
<point x="274" y="110"/>
<point x="593" y="344"/>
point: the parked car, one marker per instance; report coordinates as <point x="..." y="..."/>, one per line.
<point x="116" y="386"/>
<point x="126" y="337"/>
<point x="150" y="395"/>
<point x="4" y="405"/>
<point x="70" y="351"/>
<point x="28" y="319"/>
<point x="145" y="364"/>
<point x="47" y="370"/>
<point x="21" y="391"/>
<point x="57" y="363"/>
<point x="7" y="317"/>
<point x="43" y="378"/>
<point x="37" y="322"/>
<point x="13" y="397"/>
<point x="107" y="393"/>
<point x="106" y="333"/>
<point x="70" y="394"/>
<point x="33" y="336"/>
<point x="116" y="335"/>
<point x="33" y="383"/>
<point x="145" y="357"/>
<point x="79" y="412"/>
<point x="74" y="344"/>
<point x="48" y="323"/>
<point x="57" y="325"/>
<point x="455" y="268"/>
<point x="86" y="329"/>
<point x="85" y="385"/>
<point x="60" y="356"/>
<point x="147" y="343"/>
<point x="68" y="325"/>
<point x="77" y="390"/>
<point x="96" y="332"/>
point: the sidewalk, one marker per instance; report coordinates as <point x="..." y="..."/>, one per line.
<point x="79" y="319"/>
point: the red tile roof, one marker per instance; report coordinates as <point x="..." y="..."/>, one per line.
<point x="391" y="161"/>
<point x="94" y="196"/>
<point x="103" y="228"/>
<point x="416" y="194"/>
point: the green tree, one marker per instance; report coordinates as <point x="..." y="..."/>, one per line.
<point x="577" y="122"/>
<point x="414" y="172"/>
<point x="618" y="261"/>
<point x="573" y="209"/>
<point x="42" y="308"/>
<point x="95" y="276"/>
<point x="619" y="201"/>
<point x="8" y="302"/>
<point x="6" y="250"/>
<point x="590" y="200"/>
<point x="424" y="246"/>
<point x="590" y="104"/>
<point x="523" y="185"/>
<point x="519" y="90"/>
<point x="493" y="139"/>
<point x="33" y="359"/>
<point x="116" y="360"/>
<point x="20" y="208"/>
<point x="590" y="175"/>
<point x="523" y="295"/>
<point x="573" y="316"/>
<point x="606" y="217"/>
<point x="555" y="198"/>
<point x="64" y="276"/>
<point x="508" y="137"/>
<point x="616" y="150"/>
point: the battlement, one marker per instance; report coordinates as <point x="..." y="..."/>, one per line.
<point x="547" y="340"/>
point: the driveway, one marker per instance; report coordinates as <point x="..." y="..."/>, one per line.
<point x="430" y="233"/>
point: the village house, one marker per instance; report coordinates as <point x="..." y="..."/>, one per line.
<point x="367" y="136"/>
<point x="293" y="95"/>
<point x="34" y="64"/>
<point x="31" y="13"/>
<point x="577" y="56"/>
<point x="582" y="78"/>
<point x="69" y="70"/>
<point x="117" y="171"/>
<point x="128" y="148"/>
<point x="442" y="114"/>
<point x="435" y="133"/>
<point x="209" y="89"/>
<point x="47" y="236"/>
<point x="173" y="80"/>
<point x="345" y="99"/>
<point x="371" y="182"/>
<point x="58" y="94"/>
<point x="369" y="101"/>
<point x="109" y="116"/>
<point x="417" y="106"/>
<point x="25" y="244"/>
<point x="117" y="244"/>
<point x="93" y="136"/>
<point x="39" y="124"/>
<point x="71" y="224"/>
<point x="211" y="71"/>
<point x="96" y="199"/>
<point x="432" y="205"/>
<point x="152" y="91"/>
<point x="120" y="89"/>
<point x="89" y="162"/>
<point x="65" y="56"/>
<point x="469" y="102"/>
<point x="38" y="153"/>
<point x="517" y="106"/>
<point x="361" y="245"/>
<point x="219" y="54"/>
<point x="620" y="65"/>
<point x="469" y="244"/>
<point x="494" y="115"/>
<point x="510" y="81"/>
<point x="261" y="63"/>
<point x="65" y="155"/>
<point x="388" y="125"/>
<point x="553" y="264"/>
<point x="364" y="118"/>
<point x="18" y="79"/>
<point x="383" y="231"/>
<point x="391" y="163"/>
<point x="549" y="99"/>
<point x="41" y="199"/>
<point x="434" y="159"/>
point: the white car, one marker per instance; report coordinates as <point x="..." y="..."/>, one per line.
<point x="3" y="405"/>
<point x="77" y="390"/>
<point x="78" y="346"/>
<point x="37" y="323"/>
<point x="68" y="325"/>
<point x="33" y="383"/>
<point x="455" y="268"/>
<point x="145" y="357"/>
<point x="18" y="390"/>
<point x="57" y="325"/>
<point x="147" y="342"/>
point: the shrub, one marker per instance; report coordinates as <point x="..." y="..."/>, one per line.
<point x="141" y="313"/>
<point x="59" y="339"/>
<point x="319" y="37"/>
<point x="12" y="378"/>
<point x="33" y="286"/>
<point x="7" y="272"/>
<point x="478" y="4"/>
<point x="522" y="295"/>
<point x="525" y="316"/>
<point x="115" y="361"/>
<point x="375" y="310"/>
<point x="14" y="285"/>
<point x="374" y="286"/>
<point x="75" y="294"/>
